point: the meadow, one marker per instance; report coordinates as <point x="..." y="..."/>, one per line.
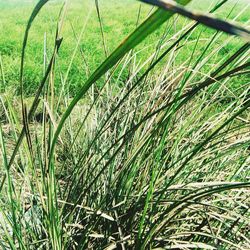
<point x="114" y="143"/>
<point x="117" y="25"/>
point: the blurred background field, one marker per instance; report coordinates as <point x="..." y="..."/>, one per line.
<point x="119" y="19"/>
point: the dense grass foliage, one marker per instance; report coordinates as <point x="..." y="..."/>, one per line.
<point x="114" y="143"/>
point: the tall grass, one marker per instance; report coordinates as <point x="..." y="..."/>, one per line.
<point x="149" y="154"/>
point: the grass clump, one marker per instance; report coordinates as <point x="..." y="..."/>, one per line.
<point x="147" y="149"/>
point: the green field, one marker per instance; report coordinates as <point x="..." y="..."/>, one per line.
<point x="14" y="16"/>
<point x="141" y="147"/>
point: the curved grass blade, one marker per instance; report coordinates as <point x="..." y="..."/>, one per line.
<point x="184" y="203"/>
<point x="207" y="20"/>
<point x="34" y="14"/>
